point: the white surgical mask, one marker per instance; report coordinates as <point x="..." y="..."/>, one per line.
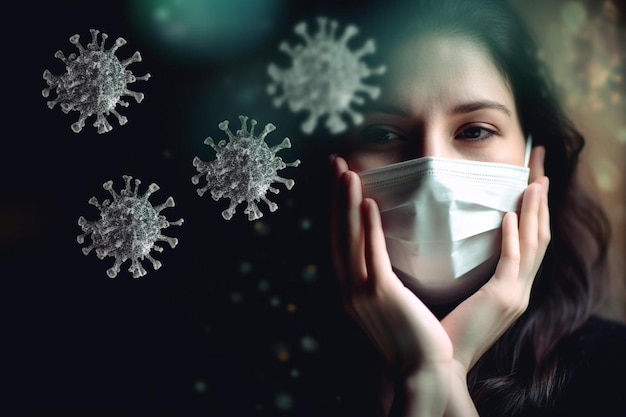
<point x="442" y="220"/>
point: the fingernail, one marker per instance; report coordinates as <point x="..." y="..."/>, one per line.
<point x="332" y="157"/>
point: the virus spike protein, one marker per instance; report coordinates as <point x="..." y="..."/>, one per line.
<point x="94" y="82"/>
<point x="128" y="228"/>
<point x="243" y="169"/>
<point x="325" y="76"/>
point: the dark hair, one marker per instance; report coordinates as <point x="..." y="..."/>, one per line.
<point x="522" y="370"/>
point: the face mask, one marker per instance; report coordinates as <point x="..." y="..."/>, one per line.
<point x="442" y="220"/>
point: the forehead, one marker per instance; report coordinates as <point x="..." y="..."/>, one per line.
<point x="436" y="71"/>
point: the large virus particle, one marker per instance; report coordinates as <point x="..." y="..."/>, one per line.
<point x="325" y="77"/>
<point x="94" y="82"/>
<point x="128" y="228"/>
<point x="243" y="169"/>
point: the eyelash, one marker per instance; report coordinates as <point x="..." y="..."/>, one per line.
<point x="490" y="133"/>
<point x="371" y="135"/>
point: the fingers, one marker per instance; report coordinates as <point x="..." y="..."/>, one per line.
<point x="524" y="243"/>
<point x="357" y="237"/>
<point x="534" y="216"/>
<point x="534" y="222"/>
<point x="543" y="232"/>
<point x="506" y="296"/>
<point x="528" y="225"/>
<point x="376" y="257"/>
<point x="347" y="236"/>
<point x="544" y="213"/>
<point x="357" y="271"/>
<point x="536" y="163"/>
<point x="508" y="266"/>
<point x="534" y="226"/>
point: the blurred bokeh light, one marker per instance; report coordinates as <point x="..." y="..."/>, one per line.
<point x="583" y="44"/>
<point x="204" y="30"/>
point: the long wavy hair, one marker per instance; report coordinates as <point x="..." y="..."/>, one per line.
<point x="522" y="370"/>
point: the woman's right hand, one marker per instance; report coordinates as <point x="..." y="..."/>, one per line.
<point x="404" y="330"/>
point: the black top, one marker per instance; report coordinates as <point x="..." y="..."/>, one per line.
<point x="595" y="383"/>
<point x="596" y="377"/>
<point x="594" y="361"/>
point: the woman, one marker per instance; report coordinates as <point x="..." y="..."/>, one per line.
<point x="511" y="333"/>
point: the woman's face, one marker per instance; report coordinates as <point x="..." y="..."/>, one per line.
<point x="445" y="98"/>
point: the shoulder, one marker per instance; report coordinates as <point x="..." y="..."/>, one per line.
<point x="598" y="338"/>
<point x="595" y="363"/>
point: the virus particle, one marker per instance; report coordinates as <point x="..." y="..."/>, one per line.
<point x="325" y="76"/>
<point x="243" y="169"/>
<point x="128" y="228"/>
<point x="94" y="82"/>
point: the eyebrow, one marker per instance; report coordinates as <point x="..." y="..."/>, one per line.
<point x="462" y="108"/>
<point x="480" y="105"/>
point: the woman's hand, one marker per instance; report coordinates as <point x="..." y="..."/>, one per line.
<point x="404" y="330"/>
<point x="481" y="319"/>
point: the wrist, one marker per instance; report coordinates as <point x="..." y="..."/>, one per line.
<point x="459" y="371"/>
<point x="427" y="391"/>
<point x="459" y="402"/>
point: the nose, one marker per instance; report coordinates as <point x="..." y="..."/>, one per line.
<point x="435" y="143"/>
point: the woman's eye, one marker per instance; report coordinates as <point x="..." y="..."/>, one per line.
<point x="378" y="135"/>
<point x="475" y="133"/>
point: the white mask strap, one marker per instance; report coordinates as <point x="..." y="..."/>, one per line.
<point x="529" y="146"/>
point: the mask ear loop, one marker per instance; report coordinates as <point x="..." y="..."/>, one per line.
<point x="529" y="146"/>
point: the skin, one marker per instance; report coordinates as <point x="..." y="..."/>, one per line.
<point x="446" y="99"/>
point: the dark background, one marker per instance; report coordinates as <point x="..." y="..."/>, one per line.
<point x="228" y="325"/>
<point x="242" y="317"/>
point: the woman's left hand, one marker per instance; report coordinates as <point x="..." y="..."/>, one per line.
<point x="475" y="324"/>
